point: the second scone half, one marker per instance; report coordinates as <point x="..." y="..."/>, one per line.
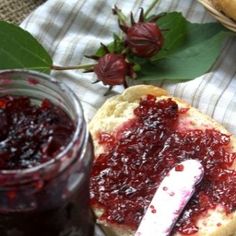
<point x="138" y="137"/>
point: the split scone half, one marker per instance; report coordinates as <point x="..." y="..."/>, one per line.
<point x="138" y="137"/>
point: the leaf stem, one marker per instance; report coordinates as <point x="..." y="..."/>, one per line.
<point x="85" y="67"/>
<point x="150" y="8"/>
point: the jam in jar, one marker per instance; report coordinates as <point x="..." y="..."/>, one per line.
<point x="45" y="158"/>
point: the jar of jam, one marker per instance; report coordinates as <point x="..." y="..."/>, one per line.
<point x="45" y="158"/>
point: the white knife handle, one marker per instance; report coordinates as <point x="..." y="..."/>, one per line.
<point x="171" y="197"/>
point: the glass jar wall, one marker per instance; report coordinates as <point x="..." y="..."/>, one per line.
<point x="51" y="198"/>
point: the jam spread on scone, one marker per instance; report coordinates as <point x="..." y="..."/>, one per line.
<point x="142" y="151"/>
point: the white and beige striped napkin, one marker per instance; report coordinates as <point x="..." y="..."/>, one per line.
<point x="73" y="28"/>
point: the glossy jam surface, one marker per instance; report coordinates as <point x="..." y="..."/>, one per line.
<point x="141" y="152"/>
<point x="31" y="135"/>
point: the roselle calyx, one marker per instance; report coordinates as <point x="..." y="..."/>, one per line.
<point x="112" y="69"/>
<point x="144" y="39"/>
<point x="118" y="61"/>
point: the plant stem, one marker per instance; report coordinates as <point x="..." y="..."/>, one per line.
<point x="85" y="67"/>
<point x="150" y="8"/>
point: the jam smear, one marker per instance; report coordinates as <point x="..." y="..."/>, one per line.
<point x="31" y="135"/>
<point x="142" y="151"/>
<point x="179" y="167"/>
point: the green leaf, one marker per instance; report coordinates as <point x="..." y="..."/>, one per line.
<point x="174" y="28"/>
<point x="191" y="50"/>
<point x="187" y="64"/>
<point x="19" y="49"/>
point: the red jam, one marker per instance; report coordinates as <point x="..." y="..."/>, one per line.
<point x="31" y="135"/>
<point x="138" y="156"/>
<point x="52" y="200"/>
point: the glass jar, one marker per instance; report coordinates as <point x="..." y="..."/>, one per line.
<point x="51" y="199"/>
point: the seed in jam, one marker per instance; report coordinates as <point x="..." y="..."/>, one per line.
<point x="141" y="153"/>
<point x="31" y="135"/>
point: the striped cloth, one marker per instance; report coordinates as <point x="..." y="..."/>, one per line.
<point x="73" y="28"/>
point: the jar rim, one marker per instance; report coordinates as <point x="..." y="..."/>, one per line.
<point x="79" y="121"/>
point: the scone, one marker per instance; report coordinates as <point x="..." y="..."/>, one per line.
<point x="226" y="6"/>
<point x="138" y="137"/>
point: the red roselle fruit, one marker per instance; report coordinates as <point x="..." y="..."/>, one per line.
<point x="144" y="39"/>
<point x="112" y="69"/>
